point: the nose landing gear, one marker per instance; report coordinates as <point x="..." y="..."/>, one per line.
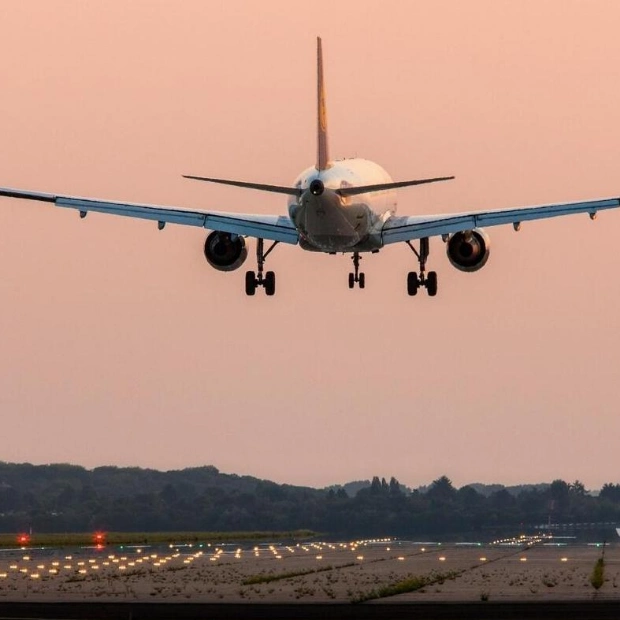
<point x="357" y="277"/>
<point x="427" y="280"/>
<point x="253" y="280"/>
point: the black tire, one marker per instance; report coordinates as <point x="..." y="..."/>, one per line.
<point x="413" y="283"/>
<point x="431" y="283"/>
<point x="270" y="283"/>
<point x="250" y="283"/>
<point x="362" y="280"/>
<point x="351" y="280"/>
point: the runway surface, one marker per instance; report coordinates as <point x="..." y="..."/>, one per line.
<point x="516" y="578"/>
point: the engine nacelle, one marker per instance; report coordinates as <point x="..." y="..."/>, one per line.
<point x="468" y="250"/>
<point x="224" y="251"/>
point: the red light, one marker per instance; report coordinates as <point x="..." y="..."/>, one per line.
<point x="23" y="539"/>
<point x="99" y="538"/>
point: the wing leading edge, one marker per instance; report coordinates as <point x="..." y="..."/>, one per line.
<point x="272" y="227"/>
<point x="398" y="229"/>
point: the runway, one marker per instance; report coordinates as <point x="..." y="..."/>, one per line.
<point x="313" y="578"/>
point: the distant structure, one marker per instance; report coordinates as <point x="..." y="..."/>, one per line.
<point x="571" y="527"/>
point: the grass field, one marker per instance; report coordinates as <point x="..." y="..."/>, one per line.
<point x="144" y="538"/>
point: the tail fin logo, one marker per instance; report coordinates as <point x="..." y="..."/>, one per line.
<point x="322" y="112"/>
<point x="322" y="159"/>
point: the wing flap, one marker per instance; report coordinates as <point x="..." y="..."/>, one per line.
<point x="272" y="227"/>
<point x="145" y="212"/>
<point x="399" y="229"/>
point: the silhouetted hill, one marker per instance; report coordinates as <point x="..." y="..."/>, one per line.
<point x="68" y="498"/>
<point x="489" y="489"/>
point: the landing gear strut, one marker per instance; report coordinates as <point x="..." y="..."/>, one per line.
<point x="358" y="277"/>
<point x="268" y="281"/>
<point x="427" y="280"/>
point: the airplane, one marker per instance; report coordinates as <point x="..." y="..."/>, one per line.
<point x="335" y="206"/>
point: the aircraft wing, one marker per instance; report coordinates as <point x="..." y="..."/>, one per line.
<point x="272" y="227"/>
<point x="405" y="228"/>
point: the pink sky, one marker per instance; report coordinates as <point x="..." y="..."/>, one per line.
<point x="120" y="345"/>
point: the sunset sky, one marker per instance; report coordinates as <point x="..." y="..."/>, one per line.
<point x="120" y="345"/>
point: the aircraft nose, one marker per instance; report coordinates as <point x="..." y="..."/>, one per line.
<point x="317" y="187"/>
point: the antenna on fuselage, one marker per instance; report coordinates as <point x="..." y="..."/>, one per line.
<point x="322" y="151"/>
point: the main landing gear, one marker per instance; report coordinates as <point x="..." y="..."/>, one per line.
<point x="427" y="280"/>
<point x="357" y="277"/>
<point x="252" y="279"/>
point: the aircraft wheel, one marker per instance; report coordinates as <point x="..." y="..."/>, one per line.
<point x="250" y="283"/>
<point x="431" y="283"/>
<point x="270" y="283"/>
<point x="351" y="280"/>
<point x="362" y="280"/>
<point x="413" y="283"/>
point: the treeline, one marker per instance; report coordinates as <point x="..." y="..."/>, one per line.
<point x="68" y="498"/>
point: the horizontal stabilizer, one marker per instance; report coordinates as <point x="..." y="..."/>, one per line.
<point x="278" y="189"/>
<point x="353" y="191"/>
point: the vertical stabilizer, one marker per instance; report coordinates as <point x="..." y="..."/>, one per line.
<point x="322" y="156"/>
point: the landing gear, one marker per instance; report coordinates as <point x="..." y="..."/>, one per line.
<point x="413" y="283"/>
<point x="250" y="283"/>
<point x="357" y="277"/>
<point x="253" y="280"/>
<point x="414" y="280"/>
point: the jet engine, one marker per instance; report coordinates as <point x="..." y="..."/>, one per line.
<point x="224" y="251"/>
<point x="468" y="250"/>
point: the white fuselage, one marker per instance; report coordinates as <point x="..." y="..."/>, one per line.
<point x="330" y="222"/>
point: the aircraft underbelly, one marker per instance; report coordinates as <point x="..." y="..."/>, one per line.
<point x="331" y="228"/>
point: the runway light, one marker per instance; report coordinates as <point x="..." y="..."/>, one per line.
<point x="564" y="560"/>
<point x="23" y="539"/>
<point x="442" y="559"/>
<point x="523" y="559"/>
<point x="99" y="538"/>
<point x="483" y="559"/>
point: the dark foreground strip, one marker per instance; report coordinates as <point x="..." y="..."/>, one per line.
<point x="581" y="610"/>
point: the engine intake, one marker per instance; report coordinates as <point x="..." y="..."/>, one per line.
<point x="224" y="251"/>
<point x="468" y="250"/>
